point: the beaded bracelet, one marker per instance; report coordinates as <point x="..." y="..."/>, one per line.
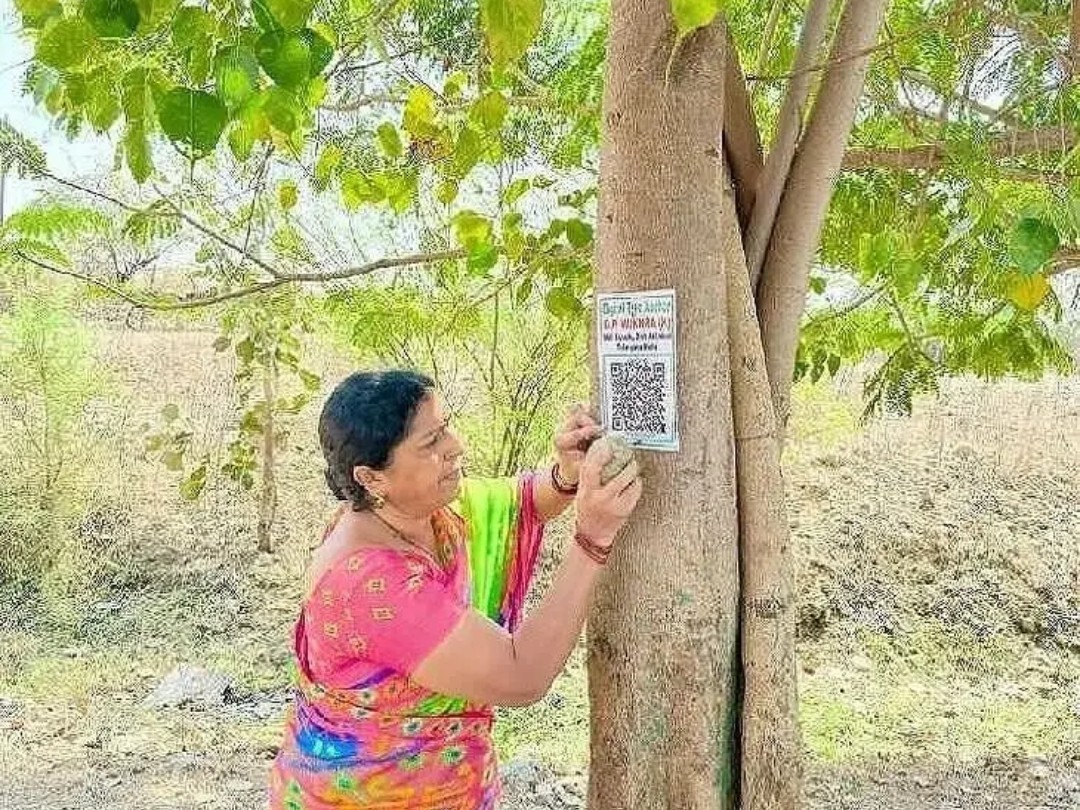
<point x="598" y="554"/>
<point x="560" y="486"/>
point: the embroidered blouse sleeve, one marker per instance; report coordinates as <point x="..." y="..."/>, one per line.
<point x="393" y="610"/>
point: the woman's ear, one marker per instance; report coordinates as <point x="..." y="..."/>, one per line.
<point x="369" y="479"/>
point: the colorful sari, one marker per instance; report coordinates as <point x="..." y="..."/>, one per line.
<point x="361" y="733"/>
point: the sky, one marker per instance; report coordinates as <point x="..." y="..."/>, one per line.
<point x="66" y="157"/>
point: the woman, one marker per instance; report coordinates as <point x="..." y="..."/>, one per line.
<point x="412" y="628"/>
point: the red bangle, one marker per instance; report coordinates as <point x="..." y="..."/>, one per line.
<point x="598" y="554"/>
<point x="559" y="485"/>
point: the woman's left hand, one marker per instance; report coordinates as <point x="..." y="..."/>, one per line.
<point x="572" y="440"/>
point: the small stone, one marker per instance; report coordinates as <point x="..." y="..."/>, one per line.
<point x="1039" y="770"/>
<point x="861" y="663"/>
<point x="189" y="685"/>
<point x="621" y="455"/>
<point x="239" y="786"/>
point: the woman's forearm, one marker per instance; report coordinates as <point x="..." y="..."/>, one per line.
<point x="550" y="503"/>
<point x="551" y="631"/>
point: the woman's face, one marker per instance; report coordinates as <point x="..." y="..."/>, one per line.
<point x="424" y="472"/>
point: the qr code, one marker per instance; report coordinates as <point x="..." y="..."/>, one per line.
<point x="638" y="397"/>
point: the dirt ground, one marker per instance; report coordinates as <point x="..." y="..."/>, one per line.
<point x="939" y="586"/>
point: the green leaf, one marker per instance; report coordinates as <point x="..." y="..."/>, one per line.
<point x="311" y="381"/>
<point x="245" y="350"/>
<point x="320" y="48"/>
<point x="263" y="18"/>
<point x="562" y="303"/>
<point x="194" y="118"/>
<point x="515" y="190"/>
<point x="817" y="285"/>
<point x="447" y="192"/>
<point x="170" y="413"/>
<point x="489" y="111"/>
<point x="136" y="101"/>
<point x="103" y="105"/>
<point x="389" y="140"/>
<point x="251" y="125"/>
<point x="693" y="14"/>
<point x="455" y="84"/>
<point x="36" y="13"/>
<point x="236" y="75"/>
<point x="357" y="189"/>
<point x="190" y="26"/>
<point x="419" y="116"/>
<point x="65" y="44"/>
<point x="471" y="229"/>
<point x="1033" y="243"/>
<point x="286" y="58"/>
<point x="1029" y="291"/>
<point x="192" y="486"/>
<point x="288" y="195"/>
<point x="174" y="460"/>
<point x="482" y="257"/>
<point x="112" y="18"/>
<point x="291" y="14"/>
<point x="282" y="110"/>
<point x="578" y="233"/>
<point x="329" y="159"/>
<point x="510" y="26"/>
<point x="467" y="152"/>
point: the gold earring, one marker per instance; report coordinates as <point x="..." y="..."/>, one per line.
<point x="378" y="500"/>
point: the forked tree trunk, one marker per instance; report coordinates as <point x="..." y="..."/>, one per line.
<point x="663" y="635"/>
<point x="692" y="638"/>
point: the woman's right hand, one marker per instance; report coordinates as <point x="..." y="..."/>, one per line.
<point x="602" y="509"/>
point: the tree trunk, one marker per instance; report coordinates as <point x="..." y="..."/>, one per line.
<point x="771" y="768"/>
<point x="797" y="231"/>
<point x="268" y="493"/>
<point x="788" y="130"/>
<point x="692" y="637"/>
<point x="663" y="656"/>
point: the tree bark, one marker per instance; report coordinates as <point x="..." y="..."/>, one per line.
<point x="1042" y="141"/>
<point x="784" y="280"/>
<point x="789" y="128"/>
<point x="742" y="138"/>
<point x="268" y="492"/>
<point x="771" y="775"/>
<point x="663" y="633"/>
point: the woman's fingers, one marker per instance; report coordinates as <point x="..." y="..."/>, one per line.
<point x="573" y="439"/>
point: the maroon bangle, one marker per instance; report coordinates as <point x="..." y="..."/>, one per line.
<point x="598" y="554"/>
<point x="559" y="485"/>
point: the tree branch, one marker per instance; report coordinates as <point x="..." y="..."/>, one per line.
<point x="219" y="237"/>
<point x="1074" y="39"/>
<point x="251" y="289"/>
<point x="1035" y="37"/>
<point x="1065" y="260"/>
<point x="837" y="60"/>
<point x="1042" y="141"/>
<point x="742" y="138"/>
<point x="797" y="230"/>
<point x="789" y="129"/>
<point x="150" y="303"/>
<point x="770" y="33"/>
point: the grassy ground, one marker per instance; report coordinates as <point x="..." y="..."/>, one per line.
<point x="939" y="607"/>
